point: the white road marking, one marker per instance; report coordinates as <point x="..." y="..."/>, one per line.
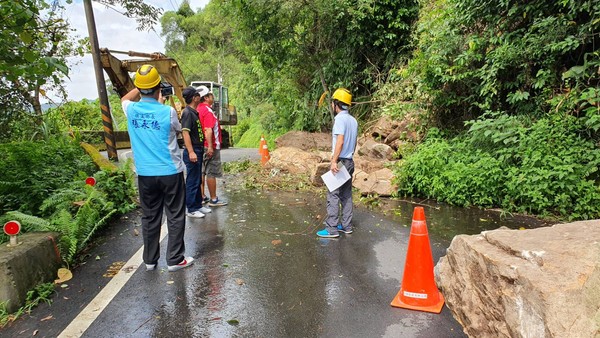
<point x="89" y="314"/>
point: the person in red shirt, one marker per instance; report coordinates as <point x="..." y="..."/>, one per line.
<point x="212" y="165"/>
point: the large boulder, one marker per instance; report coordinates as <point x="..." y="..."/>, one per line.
<point x="542" y="282"/>
<point x="368" y="164"/>
<point x="379" y="182"/>
<point x="293" y="160"/>
<point x="305" y="141"/>
<point x="387" y="130"/>
<point x="376" y="150"/>
<point x="382" y="128"/>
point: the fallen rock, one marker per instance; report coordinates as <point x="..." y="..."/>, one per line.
<point x="382" y="128"/>
<point x="305" y="141"/>
<point x="376" y="150"/>
<point x="317" y="172"/>
<point x="368" y="164"/>
<point x="378" y="182"/>
<point x="361" y="140"/>
<point x="393" y="136"/>
<point x="386" y="130"/>
<point x="325" y="155"/>
<point x="542" y="282"/>
<point x="405" y="130"/>
<point x="293" y="160"/>
<point x="359" y="177"/>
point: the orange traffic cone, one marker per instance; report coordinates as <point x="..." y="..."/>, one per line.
<point x="261" y="144"/>
<point x="418" y="290"/>
<point x="265" y="154"/>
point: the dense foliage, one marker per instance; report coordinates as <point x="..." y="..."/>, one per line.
<point x="544" y="167"/>
<point x="523" y="77"/>
<point x="76" y="211"/>
<point x="282" y="55"/>
<point x="84" y="115"/>
<point x="44" y="198"/>
<point x="37" y="42"/>
<point x="518" y="58"/>
<point x="34" y="50"/>
<point x="31" y="171"/>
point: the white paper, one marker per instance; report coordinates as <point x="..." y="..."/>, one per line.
<point x="335" y="181"/>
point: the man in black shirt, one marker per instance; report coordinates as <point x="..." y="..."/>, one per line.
<point x="193" y="139"/>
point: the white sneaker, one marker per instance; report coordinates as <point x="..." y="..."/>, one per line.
<point x="195" y="214"/>
<point x="187" y="261"/>
<point x="150" y="267"/>
<point x="205" y="210"/>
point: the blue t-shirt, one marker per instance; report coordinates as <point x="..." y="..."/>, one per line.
<point x="153" y="129"/>
<point x="345" y="124"/>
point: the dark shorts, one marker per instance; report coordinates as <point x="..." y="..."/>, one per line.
<point x="212" y="166"/>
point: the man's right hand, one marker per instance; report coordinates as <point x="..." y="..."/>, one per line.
<point x="193" y="157"/>
<point x="333" y="167"/>
<point x="209" y="152"/>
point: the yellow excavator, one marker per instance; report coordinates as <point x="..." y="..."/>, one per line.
<point x="119" y="73"/>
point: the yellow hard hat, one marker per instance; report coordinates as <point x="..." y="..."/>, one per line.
<point x="146" y="77"/>
<point x="343" y="95"/>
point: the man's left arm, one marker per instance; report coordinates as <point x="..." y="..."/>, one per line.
<point x="339" y="144"/>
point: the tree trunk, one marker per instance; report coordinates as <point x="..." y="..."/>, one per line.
<point x="326" y="89"/>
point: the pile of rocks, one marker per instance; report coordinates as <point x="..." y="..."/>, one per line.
<point x="301" y="152"/>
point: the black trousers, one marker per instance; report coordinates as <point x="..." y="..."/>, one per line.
<point x="158" y="193"/>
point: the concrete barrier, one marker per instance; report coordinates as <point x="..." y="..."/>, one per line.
<point x="27" y="265"/>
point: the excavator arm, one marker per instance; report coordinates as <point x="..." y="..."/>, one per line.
<point x="118" y="71"/>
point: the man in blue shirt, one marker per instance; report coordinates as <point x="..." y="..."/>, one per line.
<point x="344" y="134"/>
<point x="153" y="128"/>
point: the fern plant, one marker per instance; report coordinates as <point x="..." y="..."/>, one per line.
<point x="78" y="211"/>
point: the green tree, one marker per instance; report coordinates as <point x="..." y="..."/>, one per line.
<point x="34" y="37"/>
<point x="314" y="46"/>
<point x="36" y="42"/>
<point x="509" y="57"/>
<point x="144" y="14"/>
<point x="286" y="53"/>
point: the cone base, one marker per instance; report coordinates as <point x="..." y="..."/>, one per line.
<point x="435" y="308"/>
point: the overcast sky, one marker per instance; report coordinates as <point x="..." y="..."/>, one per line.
<point x="115" y="32"/>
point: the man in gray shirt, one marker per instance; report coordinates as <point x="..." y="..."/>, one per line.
<point x="344" y="134"/>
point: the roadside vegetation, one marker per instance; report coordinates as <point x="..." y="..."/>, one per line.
<point x="42" y="198"/>
<point x="513" y="94"/>
<point x="41" y="293"/>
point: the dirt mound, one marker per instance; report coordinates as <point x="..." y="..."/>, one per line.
<point x="305" y="141"/>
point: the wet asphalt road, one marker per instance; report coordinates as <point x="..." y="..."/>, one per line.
<point x="245" y="283"/>
<point x="260" y="271"/>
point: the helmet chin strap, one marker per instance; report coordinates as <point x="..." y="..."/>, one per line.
<point x="339" y="106"/>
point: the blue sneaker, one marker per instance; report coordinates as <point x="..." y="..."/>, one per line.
<point x="216" y="203"/>
<point x="325" y="234"/>
<point x="346" y="231"/>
